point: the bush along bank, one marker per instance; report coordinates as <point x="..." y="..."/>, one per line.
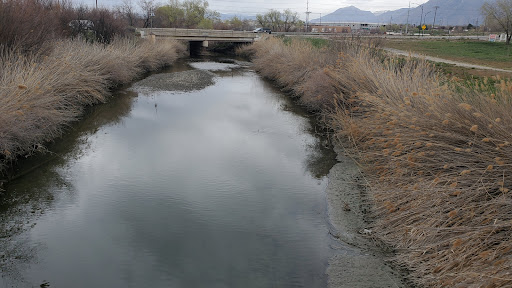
<point x="437" y="156"/>
<point x="40" y="94"/>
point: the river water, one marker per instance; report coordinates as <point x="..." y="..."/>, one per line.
<point x="222" y="186"/>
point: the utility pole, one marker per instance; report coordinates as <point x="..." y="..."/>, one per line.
<point x="151" y="14"/>
<point x="435" y="14"/>
<point x="407" y="25"/>
<point x="421" y="20"/>
<point x="307" y="15"/>
<point x="96" y="4"/>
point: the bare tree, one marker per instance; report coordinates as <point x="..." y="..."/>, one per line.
<point x="498" y="14"/>
<point x="289" y="19"/>
<point x="262" y="20"/>
<point x="275" y="19"/>
<point x="149" y="7"/>
<point x="128" y="12"/>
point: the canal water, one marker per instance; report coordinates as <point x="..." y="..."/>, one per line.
<point x="218" y="185"/>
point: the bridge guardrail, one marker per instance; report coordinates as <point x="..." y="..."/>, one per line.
<point x="179" y="32"/>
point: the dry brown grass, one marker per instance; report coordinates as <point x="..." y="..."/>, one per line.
<point x="298" y="67"/>
<point x="41" y="94"/>
<point x="438" y="163"/>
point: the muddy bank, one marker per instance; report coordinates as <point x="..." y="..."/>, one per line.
<point x="201" y="75"/>
<point x="362" y="263"/>
<point x="179" y="81"/>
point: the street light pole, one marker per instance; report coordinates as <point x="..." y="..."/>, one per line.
<point x="425" y="20"/>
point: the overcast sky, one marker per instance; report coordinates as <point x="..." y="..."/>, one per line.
<point x="253" y="7"/>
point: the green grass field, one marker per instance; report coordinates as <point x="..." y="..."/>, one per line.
<point x="316" y="42"/>
<point x="485" y="53"/>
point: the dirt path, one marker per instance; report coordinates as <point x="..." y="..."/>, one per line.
<point x="436" y="59"/>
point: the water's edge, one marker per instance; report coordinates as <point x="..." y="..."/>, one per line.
<point x="362" y="263"/>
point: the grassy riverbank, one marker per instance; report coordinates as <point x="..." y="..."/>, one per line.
<point x="40" y="94"/>
<point x="436" y="155"/>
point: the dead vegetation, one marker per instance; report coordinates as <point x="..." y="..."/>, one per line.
<point x="437" y="155"/>
<point x="42" y="93"/>
<point x="297" y="67"/>
<point x="28" y="25"/>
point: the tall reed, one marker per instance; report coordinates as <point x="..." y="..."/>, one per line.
<point x="299" y="67"/>
<point x="437" y="158"/>
<point x="41" y="94"/>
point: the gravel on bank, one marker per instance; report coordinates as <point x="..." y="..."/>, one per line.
<point x="179" y="81"/>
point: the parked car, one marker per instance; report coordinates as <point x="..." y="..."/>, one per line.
<point x="262" y="30"/>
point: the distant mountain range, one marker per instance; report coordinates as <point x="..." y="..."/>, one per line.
<point x="239" y="16"/>
<point x="449" y="13"/>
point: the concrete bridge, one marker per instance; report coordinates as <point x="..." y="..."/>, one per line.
<point x="202" y="36"/>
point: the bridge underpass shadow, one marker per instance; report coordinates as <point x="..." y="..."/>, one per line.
<point x="197" y="48"/>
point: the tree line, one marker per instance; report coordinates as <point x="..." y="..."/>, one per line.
<point x="196" y="14"/>
<point x="286" y="21"/>
<point x="28" y="24"/>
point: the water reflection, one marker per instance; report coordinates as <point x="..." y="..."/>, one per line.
<point x="40" y="179"/>
<point x="110" y="113"/>
<point x="320" y="158"/>
<point x="320" y="154"/>
<point x="213" y="188"/>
